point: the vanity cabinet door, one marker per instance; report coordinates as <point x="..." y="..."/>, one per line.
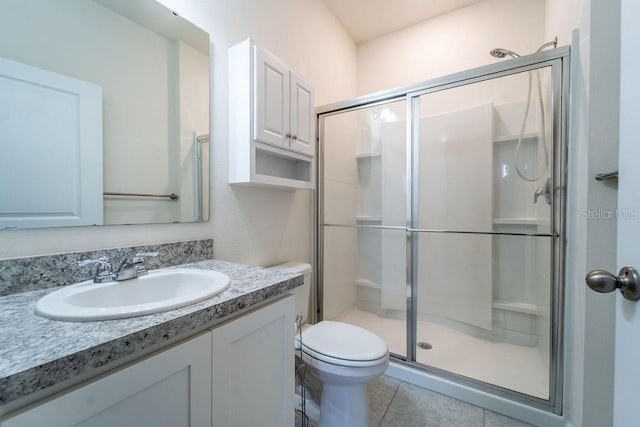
<point x="171" y="389"/>
<point x="253" y="368"/>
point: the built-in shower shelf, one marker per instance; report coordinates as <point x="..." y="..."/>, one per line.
<point x="519" y="307"/>
<point x="515" y="138"/>
<point x="368" y="218"/>
<point x="516" y="221"/>
<point x="368" y="155"/>
<point x="368" y="283"/>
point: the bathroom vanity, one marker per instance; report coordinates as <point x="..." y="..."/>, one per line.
<point x="200" y="365"/>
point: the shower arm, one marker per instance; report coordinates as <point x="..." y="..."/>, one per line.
<point x="553" y="43"/>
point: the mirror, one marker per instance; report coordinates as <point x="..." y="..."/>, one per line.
<point x="104" y="117"/>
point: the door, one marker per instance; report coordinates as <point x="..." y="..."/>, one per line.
<point x="627" y="351"/>
<point x="363" y="219"/>
<point x="483" y="235"/>
<point x="62" y="185"/>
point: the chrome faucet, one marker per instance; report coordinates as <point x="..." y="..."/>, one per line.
<point x="129" y="268"/>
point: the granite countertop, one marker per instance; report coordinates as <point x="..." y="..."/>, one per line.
<point x="37" y="353"/>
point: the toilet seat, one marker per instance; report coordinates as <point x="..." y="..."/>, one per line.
<point x="343" y="344"/>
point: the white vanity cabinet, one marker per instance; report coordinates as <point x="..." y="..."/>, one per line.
<point x="253" y="368"/>
<point x="238" y="374"/>
<point x="171" y="388"/>
<point x="272" y="130"/>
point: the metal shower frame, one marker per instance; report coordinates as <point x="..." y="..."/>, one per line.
<point x="558" y="60"/>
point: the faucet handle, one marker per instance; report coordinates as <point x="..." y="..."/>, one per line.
<point x="104" y="272"/>
<point x="141" y="269"/>
<point x="147" y="254"/>
<point x="103" y="261"/>
<point x="546" y="190"/>
<point x="139" y="257"/>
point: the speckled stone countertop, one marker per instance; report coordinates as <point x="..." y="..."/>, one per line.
<point x="37" y="353"/>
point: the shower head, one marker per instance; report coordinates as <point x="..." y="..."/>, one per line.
<point x="501" y="53"/>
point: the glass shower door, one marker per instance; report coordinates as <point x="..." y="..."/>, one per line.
<point x="441" y="213"/>
<point x="483" y="240"/>
<point x="363" y="220"/>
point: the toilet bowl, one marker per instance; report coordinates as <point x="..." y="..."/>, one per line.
<point x="342" y="356"/>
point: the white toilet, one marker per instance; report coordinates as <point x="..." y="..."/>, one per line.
<point x="343" y="356"/>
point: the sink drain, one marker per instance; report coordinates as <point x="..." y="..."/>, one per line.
<point x="424" y="345"/>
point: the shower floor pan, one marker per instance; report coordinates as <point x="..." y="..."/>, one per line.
<point x="519" y="368"/>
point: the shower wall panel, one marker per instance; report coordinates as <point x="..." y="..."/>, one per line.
<point x="340" y="174"/>
<point x="340" y="270"/>
<point x="455" y="190"/>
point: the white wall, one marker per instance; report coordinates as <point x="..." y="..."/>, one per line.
<point x="254" y="226"/>
<point x="450" y="43"/>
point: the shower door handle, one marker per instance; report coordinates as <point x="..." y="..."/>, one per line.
<point x="627" y="280"/>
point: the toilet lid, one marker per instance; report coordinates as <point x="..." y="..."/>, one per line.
<point x="343" y="341"/>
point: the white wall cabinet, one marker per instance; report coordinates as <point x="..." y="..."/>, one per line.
<point x="249" y="381"/>
<point x="253" y="368"/>
<point x="272" y="128"/>
<point x="171" y="389"/>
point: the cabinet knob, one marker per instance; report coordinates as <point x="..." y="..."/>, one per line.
<point x="288" y="135"/>
<point x="294" y="137"/>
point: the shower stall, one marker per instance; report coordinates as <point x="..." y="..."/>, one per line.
<point x="440" y="224"/>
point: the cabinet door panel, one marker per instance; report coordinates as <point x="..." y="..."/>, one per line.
<point x="171" y="389"/>
<point x="253" y="368"/>
<point x="271" y="106"/>
<point x="303" y="127"/>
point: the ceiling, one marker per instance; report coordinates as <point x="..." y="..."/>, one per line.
<point x="368" y="19"/>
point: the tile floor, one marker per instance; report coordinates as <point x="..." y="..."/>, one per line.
<point x="393" y="403"/>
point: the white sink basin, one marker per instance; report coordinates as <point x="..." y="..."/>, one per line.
<point x="160" y="290"/>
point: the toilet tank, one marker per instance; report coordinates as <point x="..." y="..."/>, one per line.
<point x="302" y="293"/>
